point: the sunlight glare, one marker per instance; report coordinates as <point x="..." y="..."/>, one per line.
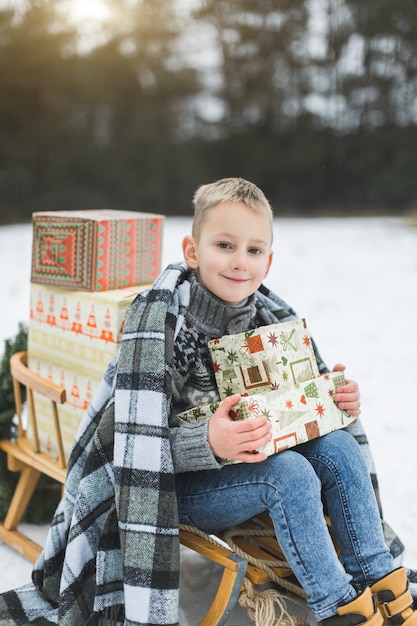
<point x="88" y="10"/>
<point x="90" y="19"/>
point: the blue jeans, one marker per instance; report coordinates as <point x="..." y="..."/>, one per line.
<point x="292" y="486"/>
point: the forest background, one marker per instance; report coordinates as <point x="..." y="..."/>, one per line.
<point x="314" y="100"/>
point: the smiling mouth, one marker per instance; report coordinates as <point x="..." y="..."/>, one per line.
<point x="237" y="280"/>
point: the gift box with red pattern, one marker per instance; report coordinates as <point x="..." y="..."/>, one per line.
<point x="96" y="250"/>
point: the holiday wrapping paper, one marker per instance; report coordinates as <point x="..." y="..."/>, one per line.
<point x="297" y="413"/>
<point x="274" y="368"/>
<point x="96" y="250"/>
<point x="267" y="358"/>
<point x="72" y="337"/>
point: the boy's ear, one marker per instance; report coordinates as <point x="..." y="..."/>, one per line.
<point x="271" y="256"/>
<point x="189" y="250"/>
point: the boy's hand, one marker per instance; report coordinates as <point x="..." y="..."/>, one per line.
<point x="348" y="396"/>
<point x="236" y="440"/>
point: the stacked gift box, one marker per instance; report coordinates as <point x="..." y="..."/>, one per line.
<point x="87" y="267"/>
<point x="275" y="369"/>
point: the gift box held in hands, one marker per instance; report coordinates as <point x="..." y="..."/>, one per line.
<point x="298" y="413"/>
<point x="267" y="358"/>
<point x="275" y="369"/>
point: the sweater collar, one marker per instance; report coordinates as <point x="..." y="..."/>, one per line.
<point x="215" y="317"/>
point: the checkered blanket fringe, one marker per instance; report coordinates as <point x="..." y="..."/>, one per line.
<point x="112" y="553"/>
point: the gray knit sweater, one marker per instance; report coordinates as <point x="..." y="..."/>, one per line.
<point x="193" y="375"/>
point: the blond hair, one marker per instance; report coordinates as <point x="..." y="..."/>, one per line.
<point x="228" y="190"/>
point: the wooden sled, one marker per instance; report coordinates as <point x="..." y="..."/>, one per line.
<point x="25" y="456"/>
<point x="249" y="552"/>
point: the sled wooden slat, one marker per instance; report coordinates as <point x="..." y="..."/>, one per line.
<point x="25" y="455"/>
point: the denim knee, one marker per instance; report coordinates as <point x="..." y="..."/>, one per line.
<point x="292" y="478"/>
<point x="341" y="453"/>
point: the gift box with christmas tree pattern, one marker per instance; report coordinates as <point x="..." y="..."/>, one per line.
<point x="298" y="413"/>
<point x="269" y="357"/>
<point x="275" y="370"/>
<point x="72" y="337"/>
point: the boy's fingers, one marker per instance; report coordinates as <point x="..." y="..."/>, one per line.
<point x="252" y="457"/>
<point x="230" y="401"/>
<point x="254" y="424"/>
<point x="252" y="440"/>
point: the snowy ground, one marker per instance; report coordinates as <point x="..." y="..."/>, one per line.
<point x="355" y="282"/>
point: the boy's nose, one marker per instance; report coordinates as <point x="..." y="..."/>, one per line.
<point x="239" y="261"/>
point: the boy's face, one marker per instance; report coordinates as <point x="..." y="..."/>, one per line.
<point x="233" y="253"/>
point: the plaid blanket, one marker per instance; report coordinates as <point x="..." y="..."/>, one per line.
<point x="112" y="552"/>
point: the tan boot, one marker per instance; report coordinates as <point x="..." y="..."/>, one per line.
<point x="394" y="600"/>
<point x="361" y="610"/>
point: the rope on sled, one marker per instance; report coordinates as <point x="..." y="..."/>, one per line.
<point x="267" y="607"/>
<point x="264" y="564"/>
<point x="261" y="606"/>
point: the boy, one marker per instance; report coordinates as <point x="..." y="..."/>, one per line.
<point x="112" y="553"/>
<point x="229" y="255"/>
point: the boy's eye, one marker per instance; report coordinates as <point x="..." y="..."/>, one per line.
<point x="255" y="250"/>
<point x="223" y="244"/>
